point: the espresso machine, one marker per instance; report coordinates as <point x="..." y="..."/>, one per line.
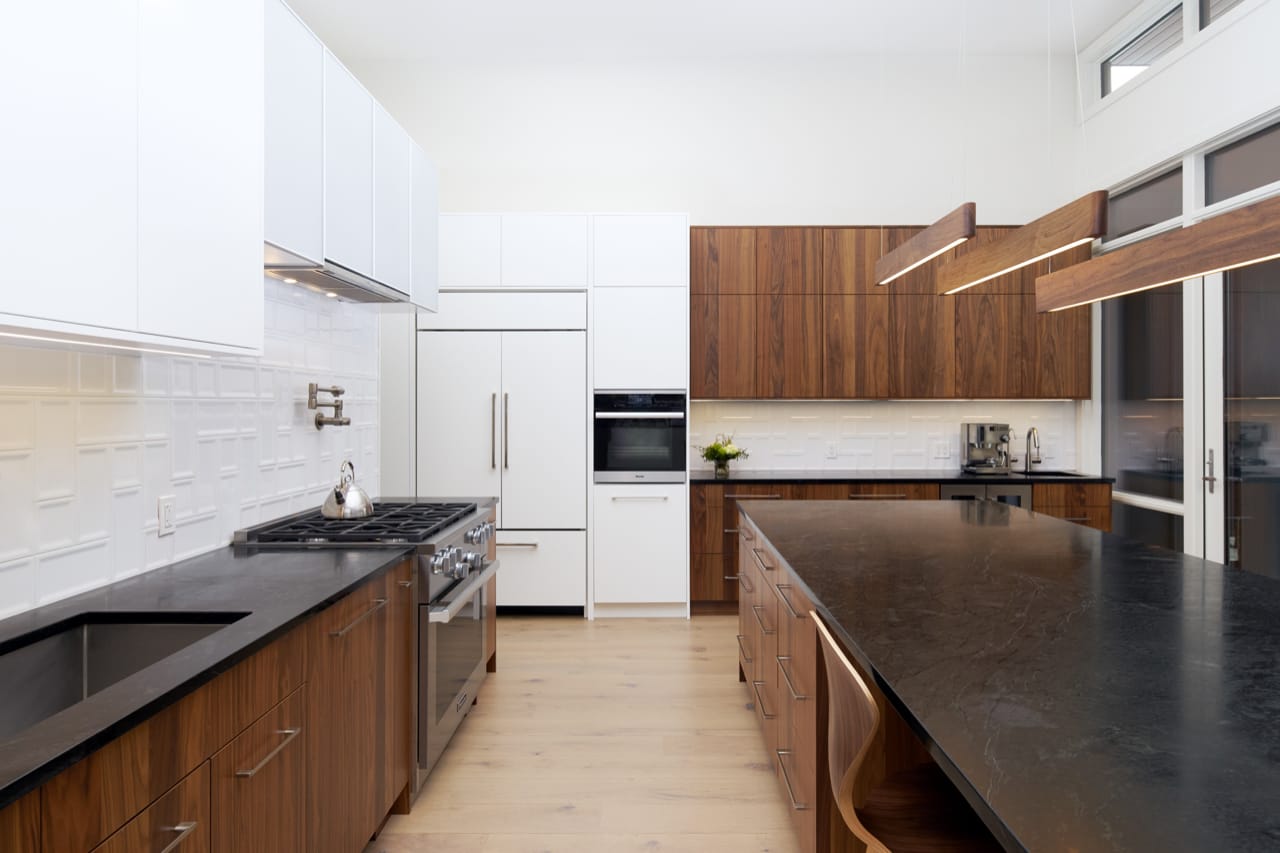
<point x="984" y="448"/>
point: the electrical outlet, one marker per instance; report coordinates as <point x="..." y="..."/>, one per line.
<point x="941" y="450"/>
<point x="832" y="450"/>
<point x="166" y="514"/>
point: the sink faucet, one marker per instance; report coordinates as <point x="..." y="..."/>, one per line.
<point x="1033" y="456"/>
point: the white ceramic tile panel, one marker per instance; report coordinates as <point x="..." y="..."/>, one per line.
<point x="88" y="442"/>
<point x="872" y="435"/>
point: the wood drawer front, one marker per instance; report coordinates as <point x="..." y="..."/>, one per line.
<point x="706" y="517"/>
<point x="1097" y="517"/>
<point x="259" y="784"/>
<point x="1070" y="494"/>
<point x="112" y="785"/>
<point x="178" y="822"/>
<point x="255" y="685"/>
<point x="710" y="581"/>
<point x="20" y="825"/>
<point x="893" y="491"/>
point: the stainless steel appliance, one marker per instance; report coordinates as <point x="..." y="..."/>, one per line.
<point x="1004" y="493"/>
<point x="640" y="437"/>
<point x="984" y="448"/>
<point x="451" y="542"/>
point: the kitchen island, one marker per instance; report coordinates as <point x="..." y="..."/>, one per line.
<point x="1084" y="692"/>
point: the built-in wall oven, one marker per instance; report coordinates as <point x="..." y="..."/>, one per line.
<point x="640" y="437"/>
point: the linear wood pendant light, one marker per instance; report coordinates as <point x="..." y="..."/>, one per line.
<point x="1239" y="238"/>
<point x="947" y="233"/>
<point x="1069" y="226"/>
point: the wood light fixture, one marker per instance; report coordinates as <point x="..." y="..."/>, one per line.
<point x="947" y="233"/>
<point x="1245" y="236"/>
<point x="1069" y="226"/>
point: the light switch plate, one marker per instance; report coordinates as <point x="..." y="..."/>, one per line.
<point x="941" y="450"/>
<point x="166" y="512"/>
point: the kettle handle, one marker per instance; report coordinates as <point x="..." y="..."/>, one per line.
<point x="347" y="472"/>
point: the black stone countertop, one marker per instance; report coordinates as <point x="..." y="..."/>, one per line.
<point x="1085" y="692"/>
<point x="878" y="476"/>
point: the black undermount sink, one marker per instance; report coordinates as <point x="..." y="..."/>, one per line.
<point x="52" y="669"/>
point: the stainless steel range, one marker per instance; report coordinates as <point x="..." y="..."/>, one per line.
<point x="453" y="543"/>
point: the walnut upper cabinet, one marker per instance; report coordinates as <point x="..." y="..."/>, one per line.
<point x="795" y="313"/>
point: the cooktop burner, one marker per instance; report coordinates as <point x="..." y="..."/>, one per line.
<point x="390" y="524"/>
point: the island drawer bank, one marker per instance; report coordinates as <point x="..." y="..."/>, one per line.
<point x="1081" y="690"/>
<point x="289" y="729"/>
<point x="713" y="511"/>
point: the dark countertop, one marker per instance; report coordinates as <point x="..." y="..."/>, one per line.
<point x="877" y="476"/>
<point x="1085" y="692"/>
<point x="276" y="588"/>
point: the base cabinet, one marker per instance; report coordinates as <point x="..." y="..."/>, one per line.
<point x="639" y="544"/>
<point x="178" y="821"/>
<point x="542" y="568"/>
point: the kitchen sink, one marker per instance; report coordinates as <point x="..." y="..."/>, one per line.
<point x="47" y="672"/>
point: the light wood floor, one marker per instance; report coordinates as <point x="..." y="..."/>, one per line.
<point x="614" y="735"/>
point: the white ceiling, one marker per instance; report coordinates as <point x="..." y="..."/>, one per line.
<point x="485" y="31"/>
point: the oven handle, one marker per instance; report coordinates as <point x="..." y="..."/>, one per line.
<point x="442" y="613"/>
<point x="640" y="416"/>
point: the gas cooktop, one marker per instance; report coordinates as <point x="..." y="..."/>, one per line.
<point x="390" y="524"/>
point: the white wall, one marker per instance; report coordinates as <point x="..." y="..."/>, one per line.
<point x="867" y="140"/>
<point x="867" y="436"/>
<point x="89" y="441"/>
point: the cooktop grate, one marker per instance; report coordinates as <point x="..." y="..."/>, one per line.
<point x="391" y="523"/>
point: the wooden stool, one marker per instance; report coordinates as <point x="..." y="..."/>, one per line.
<point x="912" y="811"/>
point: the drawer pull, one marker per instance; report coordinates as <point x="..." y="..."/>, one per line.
<point x="754" y="497"/>
<point x="786" y="778"/>
<point x="780" y="587"/>
<point x="755" y="685"/>
<point x="799" y="697"/>
<point x="746" y="584"/>
<point x="756" y="608"/>
<point x="405" y="584"/>
<point x="746" y="655"/>
<point x="877" y="497"/>
<point x="760" y="560"/>
<point x="733" y="530"/>
<point x="532" y="545"/>
<point x="638" y="498"/>
<point x="378" y="604"/>
<point x="748" y="535"/>
<point x="1076" y="518"/>
<point x="289" y="734"/>
<point x="183" y="829"/>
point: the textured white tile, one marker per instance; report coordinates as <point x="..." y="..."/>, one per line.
<point x="156" y="477"/>
<point x="206" y="379"/>
<point x="17" y="424"/>
<point x="156" y="376"/>
<point x="19" y="531"/>
<point x="127" y="535"/>
<point x="238" y="381"/>
<point x="95" y="373"/>
<point x="184" y="377"/>
<point x="36" y="369"/>
<point x="17" y="586"/>
<point x="55" y="524"/>
<point x="55" y="456"/>
<point x="93" y="494"/>
<point x="103" y="421"/>
<point x="128" y="375"/>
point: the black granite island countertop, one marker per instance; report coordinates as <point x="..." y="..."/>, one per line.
<point x="885" y="476"/>
<point x="1084" y="691"/>
<point x="274" y="589"/>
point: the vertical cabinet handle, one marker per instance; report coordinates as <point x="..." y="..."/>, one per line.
<point x="795" y="694"/>
<point x="780" y="587"/>
<point x="183" y="829"/>
<point x="786" y="777"/>
<point x="760" y="560"/>
<point x="506" y="430"/>
<point x="493" y="430"/>
<point x="756" y="608"/>
<point x="742" y="647"/>
<point x="746" y="584"/>
<point x="755" y="685"/>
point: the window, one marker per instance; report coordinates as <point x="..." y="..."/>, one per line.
<point x="1157" y="200"/>
<point x="1211" y="10"/>
<point x="1241" y="166"/>
<point x="1136" y="56"/>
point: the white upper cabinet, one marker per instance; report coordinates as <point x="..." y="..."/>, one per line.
<point x="200" y="170"/>
<point x="424" y="213"/>
<point x="641" y="249"/>
<point x="642" y="338"/>
<point x="294" y="138"/>
<point x="470" y="250"/>
<point x="391" y="190"/>
<point x="348" y="169"/>
<point x="545" y="250"/>
<point x="69" y="169"/>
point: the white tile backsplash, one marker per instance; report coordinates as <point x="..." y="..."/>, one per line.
<point x="873" y="435"/>
<point x="88" y="442"/>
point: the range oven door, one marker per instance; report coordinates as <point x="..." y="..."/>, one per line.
<point x="639" y="437"/>
<point x="451" y="664"/>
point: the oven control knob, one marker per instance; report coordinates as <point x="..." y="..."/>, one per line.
<point x="488" y="530"/>
<point x="475" y="535"/>
<point x="437" y="561"/>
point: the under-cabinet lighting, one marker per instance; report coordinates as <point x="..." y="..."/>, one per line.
<point x="1058" y="231"/>
<point x="96" y="344"/>
<point x="942" y="236"/>
<point x="1240" y="238"/>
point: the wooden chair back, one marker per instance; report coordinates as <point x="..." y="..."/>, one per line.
<point x="853" y="719"/>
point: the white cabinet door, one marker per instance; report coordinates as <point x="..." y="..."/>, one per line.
<point x="459" y="411"/>
<point x="544" y="447"/>
<point x="545" y="250"/>
<point x="200" y="171"/>
<point x="294" y="135"/>
<point x="424" y="215"/>
<point x="390" y="201"/>
<point x="470" y="250"/>
<point x="68" y="174"/>
<point x="641" y="249"/>
<point x="542" y="568"/>
<point x="641" y="338"/>
<point x="641" y="544"/>
<point x="348" y="169"/>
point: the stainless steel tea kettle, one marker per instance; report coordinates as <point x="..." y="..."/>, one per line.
<point x="347" y="500"/>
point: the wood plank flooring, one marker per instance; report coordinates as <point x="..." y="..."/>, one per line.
<point x="595" y="737"/>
